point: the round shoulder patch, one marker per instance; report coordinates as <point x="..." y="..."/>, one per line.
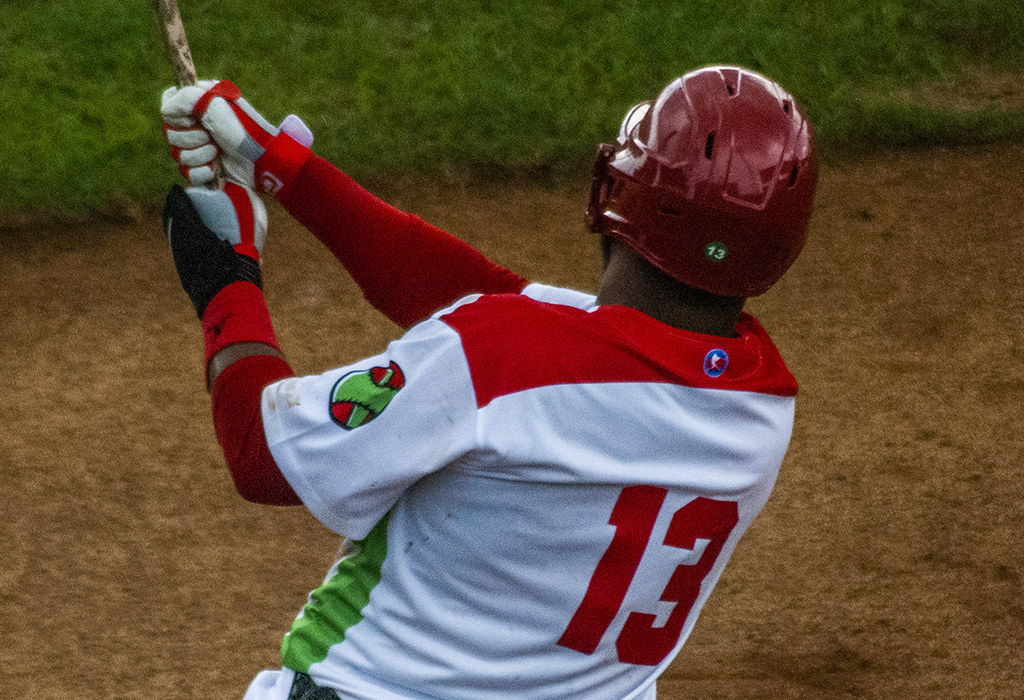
<point x="715" y="362"/>
<point x="359" y="397"/>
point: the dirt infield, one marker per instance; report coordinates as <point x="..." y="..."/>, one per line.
<point x="888" y="563"/>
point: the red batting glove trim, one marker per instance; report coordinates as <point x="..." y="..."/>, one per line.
<point x="246" y="224"/>
<point x="257" y="132"/>
<point x="237" y="314"/>
<point x="225" y="88"/>
<point x="280" y="165"/>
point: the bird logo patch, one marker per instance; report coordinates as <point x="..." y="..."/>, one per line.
<point x="359" y="397"/>
<point x="715" y="363"/>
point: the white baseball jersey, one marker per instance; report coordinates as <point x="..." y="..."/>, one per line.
<point x="544" y="490"/>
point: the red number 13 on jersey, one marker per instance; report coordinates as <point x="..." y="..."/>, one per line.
<point x="634" y="516"/>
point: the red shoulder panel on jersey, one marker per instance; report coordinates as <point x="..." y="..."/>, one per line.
<point x="514" y="343"/>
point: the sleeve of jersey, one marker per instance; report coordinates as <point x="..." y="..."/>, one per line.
<point x="239" y="427"/>
<point x="351" y="441"/>
<point x="405" y="267"/>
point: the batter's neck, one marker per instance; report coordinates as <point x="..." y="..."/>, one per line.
<point x="629" y="280"/>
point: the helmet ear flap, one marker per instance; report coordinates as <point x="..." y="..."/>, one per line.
<point x="600" y="188"/>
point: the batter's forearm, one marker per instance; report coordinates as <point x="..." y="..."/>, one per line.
<point x="406" y="267"/>
<point x="243" y="358"/>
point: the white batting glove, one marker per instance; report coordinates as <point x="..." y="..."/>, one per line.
<point x="211" y="120"/>
<point x="192" y="147"/>
<point x="235" y="214"/>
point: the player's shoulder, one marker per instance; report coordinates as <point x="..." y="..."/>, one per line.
<point x="557" y="336"/>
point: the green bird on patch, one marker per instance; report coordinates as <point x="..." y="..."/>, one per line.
<point x="359" y="397"/>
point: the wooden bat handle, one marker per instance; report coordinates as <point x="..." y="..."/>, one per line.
<point x="180" y="58"/>
<point x="178" y="52"/>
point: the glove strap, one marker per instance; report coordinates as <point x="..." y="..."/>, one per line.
<point x="280" y="165"/>
<point x="225" y="88"/>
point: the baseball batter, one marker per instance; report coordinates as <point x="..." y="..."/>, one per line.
<point x="539" y="487"/>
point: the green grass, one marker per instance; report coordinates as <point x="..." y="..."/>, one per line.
<point x="449" y="86"/>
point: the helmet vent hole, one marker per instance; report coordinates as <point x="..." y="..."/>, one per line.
<point x="792" y="175"/>
<point x="731" y="89"/>
<point x="671" y="212"/>
<point x="709" y="145"/>
<point x="787" y="107"/>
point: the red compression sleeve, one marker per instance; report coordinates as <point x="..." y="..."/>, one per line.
<point x="238" y="420"/>
<point x="238" y="314"/>
<point x="405" y="267"/>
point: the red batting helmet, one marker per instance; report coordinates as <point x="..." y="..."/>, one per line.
<point x="713" y="182"/>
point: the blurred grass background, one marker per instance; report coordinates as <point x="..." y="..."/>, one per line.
<point x="471" y="86"/>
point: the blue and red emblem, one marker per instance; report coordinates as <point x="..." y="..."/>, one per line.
<point x="715" y="363"/>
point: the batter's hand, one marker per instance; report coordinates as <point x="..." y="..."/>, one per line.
<point x="215" y="238"/>
<point x="212" y="119"/>
<point x="235" y="214"/>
